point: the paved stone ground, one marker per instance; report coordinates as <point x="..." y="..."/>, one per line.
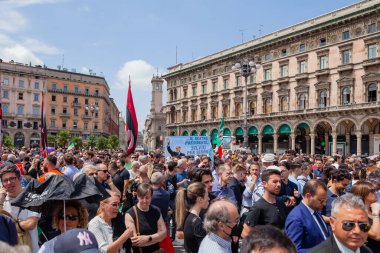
<point x="178" y="246"/>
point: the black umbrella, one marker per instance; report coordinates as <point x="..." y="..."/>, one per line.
<point x="39" y="196"/>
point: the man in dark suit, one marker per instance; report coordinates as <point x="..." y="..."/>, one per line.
<point x="350" y="225"/>
<point x="304" y="225"/>
<point x="176" y="153"/>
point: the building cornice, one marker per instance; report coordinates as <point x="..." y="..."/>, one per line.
<point x="308" y="26"/>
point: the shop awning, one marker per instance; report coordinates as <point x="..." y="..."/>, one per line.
<point x="239" y="131"/>
<point x="268" y="130"/>
<point x="284" y="129"/>
<point x="253" y="131"/>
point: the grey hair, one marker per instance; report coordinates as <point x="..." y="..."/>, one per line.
<point x="181" y="161"/>
<point x="142" y="158"/>
<point x="11" y="157"/>
<point x="88" y="167"/>
<point x="217" y="212"/>
<point x="347" y="200"/>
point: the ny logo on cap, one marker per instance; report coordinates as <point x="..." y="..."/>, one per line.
<point x="84" y="238"/>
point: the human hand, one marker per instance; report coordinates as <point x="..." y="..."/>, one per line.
<point x="127" y="233"/>
<point x="375" y="207"/>
<point x="3" y="194"/>
<point x="139" y="240"/>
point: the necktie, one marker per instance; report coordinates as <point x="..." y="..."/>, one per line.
<point x="322" y="224"/>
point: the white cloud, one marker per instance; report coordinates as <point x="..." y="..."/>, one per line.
<point x="19" y="53"/>
<point x="140" y="72"/>
<point x="40" y="47"/>
<point x="12" y="45"/>
<point x="11" y="20"/>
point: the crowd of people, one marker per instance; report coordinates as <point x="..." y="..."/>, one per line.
<point x="241" y="202"/>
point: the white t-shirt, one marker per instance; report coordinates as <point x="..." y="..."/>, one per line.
<point x="24" y="214"/>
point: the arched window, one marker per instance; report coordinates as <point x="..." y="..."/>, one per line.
<point x="238" y="110"/>
<point x="226" y="110"/>
<point x="323" y="99"/>
<point x="171" y="95"/>
<point x="372" y="93"/>
<point x="267" y="106"/>
<point x="284" y="104"/>
<point x="172" y="114"/>
<point x="302" y="102"/>
<point x="346" y="95"/>
<point x="252" y="108"/>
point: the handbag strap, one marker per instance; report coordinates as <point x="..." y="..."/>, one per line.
<point x="136" y="221"/>
<point x="137" y="225"/>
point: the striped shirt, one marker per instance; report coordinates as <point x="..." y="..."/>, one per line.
<point x="215" y="244"/>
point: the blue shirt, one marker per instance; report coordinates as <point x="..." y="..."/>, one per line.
<point x="294" y="180"/>
<point x="215" y="244"/>
<point x="181" y="176"/>
<point x="219" y="191"/>
<point x="249" y="197"/>
<point x="330" y="198"/>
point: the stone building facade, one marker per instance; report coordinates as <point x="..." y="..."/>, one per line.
<point x="75" y="102"/>
<point x="317" y="90"/>
<point x="154" y="129"/>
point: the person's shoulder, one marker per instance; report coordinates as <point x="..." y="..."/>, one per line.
<point x="365" y="249"/>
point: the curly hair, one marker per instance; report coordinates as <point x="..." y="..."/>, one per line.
<point x="82" y="211"/>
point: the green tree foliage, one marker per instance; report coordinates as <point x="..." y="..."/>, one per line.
<point x="7" y="141"/>
<point x="102" y="143"/>
<point x="113" y="142"/>
<point x="52" y="140"/>
<point x="77" y="142"/>
<point x="91" y="142"/>
<point x="63" y="138"/>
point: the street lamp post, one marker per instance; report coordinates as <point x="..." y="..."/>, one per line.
<point x="246" y="68"/>
<point x="93" y="109"/>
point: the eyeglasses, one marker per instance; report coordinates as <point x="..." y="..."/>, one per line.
<point x="116" y="205"/>
<point x="71" y="217"/>
<point x="349" y="225"/>
<point x="9" y="180"/>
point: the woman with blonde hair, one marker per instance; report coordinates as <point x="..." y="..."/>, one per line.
<point x="101" y="226"/>
<point x="189" y="203"/>
<point x="66" y="216"/>
<point x="368" y="193"/>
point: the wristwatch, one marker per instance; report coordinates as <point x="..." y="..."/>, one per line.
<point x="150" y="238"/>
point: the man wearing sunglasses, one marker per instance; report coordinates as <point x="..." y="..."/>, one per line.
<point x="350" y="225"/>
<point x="26" y="220"/>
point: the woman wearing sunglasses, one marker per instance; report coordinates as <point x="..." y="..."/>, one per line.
<point x="189" y="203"/>
<point x="102" y="226"/>
<point x="368" y="193"/>
<point x="76" y="217"/>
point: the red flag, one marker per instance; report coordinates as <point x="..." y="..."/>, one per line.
<point x="131" y="126"/>
<point x="43" y="146"/>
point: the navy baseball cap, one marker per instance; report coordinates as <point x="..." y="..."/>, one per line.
<point x="78" y="240"/>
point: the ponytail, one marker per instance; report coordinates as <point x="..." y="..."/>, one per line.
<point x="180" y="207"/>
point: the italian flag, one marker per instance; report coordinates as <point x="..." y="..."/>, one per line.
<point x="71" y="146"/>
<point x="220" y="138"/>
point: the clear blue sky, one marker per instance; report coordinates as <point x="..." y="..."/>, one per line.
<point x="122" y="37"/>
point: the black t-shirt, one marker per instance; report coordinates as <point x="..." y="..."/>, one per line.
<point x="171" y="185"/>
<point x="194" y="233"/>
<point x="264" y="213"/>
<point x="148" y="225"/>
<point x="118" y="179"/>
